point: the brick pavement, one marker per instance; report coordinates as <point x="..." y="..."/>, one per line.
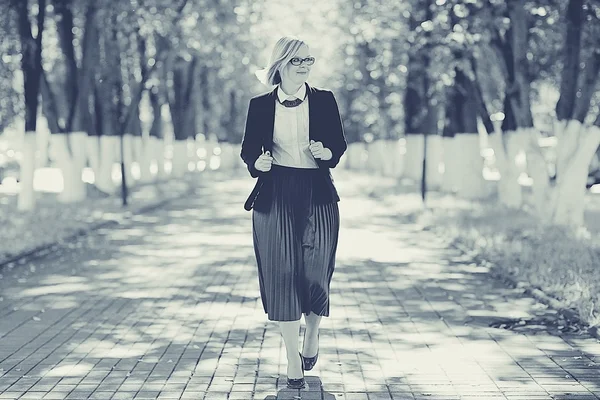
<point x="167" y="307"/>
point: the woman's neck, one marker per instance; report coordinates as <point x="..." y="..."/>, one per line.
<point x="290" y="88"/>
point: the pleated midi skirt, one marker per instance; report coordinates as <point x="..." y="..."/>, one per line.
<point x="295" y="243"/>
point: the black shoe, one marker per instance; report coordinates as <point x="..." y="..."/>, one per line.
<point x="309" y="362"/>
<point x="297" y="383"/>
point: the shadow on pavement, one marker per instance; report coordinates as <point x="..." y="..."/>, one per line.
<point x="311" y="391"/>
<point x="172" y="298"/>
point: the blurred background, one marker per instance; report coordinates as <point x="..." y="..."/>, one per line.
<point x="476" y="98"/>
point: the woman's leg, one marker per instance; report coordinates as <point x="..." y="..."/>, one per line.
<point x="310" y="347"/>
<point x="290" y="330"/>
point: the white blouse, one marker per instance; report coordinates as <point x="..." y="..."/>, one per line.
<point x="290" y="135"/>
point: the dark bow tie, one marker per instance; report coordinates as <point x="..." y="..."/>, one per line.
<point x="292" y="103"/>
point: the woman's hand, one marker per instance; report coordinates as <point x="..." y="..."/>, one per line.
<point x="263" y="162"/>
<point x="320" y="152"/>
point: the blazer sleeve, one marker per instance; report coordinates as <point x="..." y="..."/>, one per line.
<point x="252" y="141"/>
<point x="337" y="143"/>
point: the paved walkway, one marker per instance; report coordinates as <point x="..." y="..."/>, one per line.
<point x="167" y="307"/>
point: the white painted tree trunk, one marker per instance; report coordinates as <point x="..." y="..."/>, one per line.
<point x="191" y="154"/>
<point x="212" y="161"/>
<point x="128" y="156"/>
<point x="200" y="156"/>
<point x="413" y="161"/>
<point x="105" y="152"/>
<point x="537" y="169"/>
<point x="146" y="159"/>
<point x="394" y="154"/>
<point x="157" y="149"/>
<point x="451" y="165"/>
<point x="357" y="156"/>
<point x="27" y="197"/>
<point x="576" y="147"/>
<point x="229" y="157"/>
<point x="71" y="163"/>
<point x="43" y="137"/>
<point x="471" y="184"/>
<point x="93" y="152"/>
<point x="223" y="156"/>
<point x="510" y="193"/>
<point x="180" y="158"/>
<point x="376" y="155"/>
<point x="435" y="160"/>
<point x="137" y="155"/>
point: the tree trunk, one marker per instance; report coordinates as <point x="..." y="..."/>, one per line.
<point x="69" y="141"/>
<point x="183" y="113"/>
<point x="569" y="197"/>
<point x="451" y="151"/>
<point x="108" y="127"/>
<point x="519" y="87"/>
<point x="587" y="87"/>
<point x="229" y="157"/>
<point x="505" y="149"/>
<point x="507" y="141"/>
<point x="420" y="119"/>
<point x="482" y="108"/>
<point x="71" y="165"/>
<point x="463" y="121"/>
<point x="133" y="143"/>
<point x="157" y="143"/>
<point x="576" y="143"/>
<point x="568" y="86"/>
<point x="353" y="133"/>
<point x="376" y="156"/>
<point x="381" y="155"/>
<point x="145" y="159"/>
<point x="31" y="65"/>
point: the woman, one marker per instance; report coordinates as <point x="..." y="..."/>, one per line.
<point x="293" y="136"/>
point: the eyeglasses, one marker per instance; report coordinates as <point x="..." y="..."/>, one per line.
<point x="298" y="61"/>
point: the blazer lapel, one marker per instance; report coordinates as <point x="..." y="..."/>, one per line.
<point x="269" y="114"/>
<point x="312" y="113"/>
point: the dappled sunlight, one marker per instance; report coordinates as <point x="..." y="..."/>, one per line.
<point x="66" y="371"/>
<point x="176" y="292"/>
<point x="56" y="288"/>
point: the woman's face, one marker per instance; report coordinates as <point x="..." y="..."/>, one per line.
<point x="297" y="74"/>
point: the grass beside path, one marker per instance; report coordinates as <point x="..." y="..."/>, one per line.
<point x="564" y="265"/>
<point x="51" y="222"/>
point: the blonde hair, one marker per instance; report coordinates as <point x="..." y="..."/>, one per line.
<point x="283" y="51"/>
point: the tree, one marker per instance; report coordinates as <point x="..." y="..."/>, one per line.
<point x="577" y="140"/>
<point x="31" y="68"/>
<point x="66" y="92"/>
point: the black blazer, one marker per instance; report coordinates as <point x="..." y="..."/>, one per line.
<point x="325" y="125"/>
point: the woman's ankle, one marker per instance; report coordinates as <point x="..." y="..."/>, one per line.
<point x="294" y="366"/>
